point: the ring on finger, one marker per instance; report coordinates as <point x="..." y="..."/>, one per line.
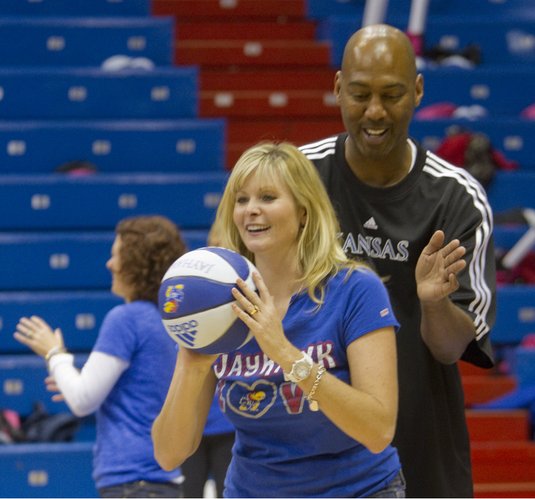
<point x="254" y="310"/>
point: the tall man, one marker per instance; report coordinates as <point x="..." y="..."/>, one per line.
<point x="404" y="209"/>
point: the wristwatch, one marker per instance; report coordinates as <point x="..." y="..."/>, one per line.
<point x="301" y="369"/>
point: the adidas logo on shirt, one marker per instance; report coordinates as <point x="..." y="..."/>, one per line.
<point x="370" y="224"/>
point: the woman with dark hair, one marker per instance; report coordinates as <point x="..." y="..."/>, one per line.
<point x="126" y="376"/>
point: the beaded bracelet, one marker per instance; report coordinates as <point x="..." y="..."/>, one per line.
<point x="314" y="406"/>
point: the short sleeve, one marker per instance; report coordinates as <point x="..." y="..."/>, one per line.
<point x="368" y="306"/>
<point x="118" y="335"/>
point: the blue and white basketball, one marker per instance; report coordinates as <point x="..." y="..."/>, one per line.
<point x="195" y="300"/>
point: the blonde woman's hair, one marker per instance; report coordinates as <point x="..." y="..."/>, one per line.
<point x="319" y="252"/>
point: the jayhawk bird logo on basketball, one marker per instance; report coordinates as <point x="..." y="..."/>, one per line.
<point x="174" y="295"/>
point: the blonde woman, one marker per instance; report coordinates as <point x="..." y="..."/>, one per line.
<point x="313" y="396"/>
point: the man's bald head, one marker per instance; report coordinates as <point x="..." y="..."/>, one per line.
<point x="377" y="90"/>
<point x="379" y="42"/>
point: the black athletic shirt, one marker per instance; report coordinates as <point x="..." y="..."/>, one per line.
<point x="389" y="227"/>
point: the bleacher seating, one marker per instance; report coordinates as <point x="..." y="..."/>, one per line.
<point x="512" y="190"/>
<point x="511" y="136"/>
<point x="77" y="9"/>
<point x="503" y="42"/>
<point x="55" y="260"/>
<point x="85" y="41"/>
<point x="74" y="260"/>
<point x="322" y="9"/>
<point x="511" y="48"/>
<point x="506" y="236"/>
<point x="47" y="470"/>
<point x="93" y="93"/>
<point x="22" y="383"/>
<point x="89" y="82"/>
<point x="77" y="313"/>
<point x="525" y="367"/>
<point x="98" y="202"/>
<point x="515" y="316"/>
<point x="118" y="146"/>
<point x="500" y="92"/>
<point x="255" y="70"/>
<point x="268" y="10"/>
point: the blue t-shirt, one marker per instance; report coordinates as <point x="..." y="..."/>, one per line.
<point x="124" y="452"/>
<point x="216" y="422"/>
<point x="282" y="448"/>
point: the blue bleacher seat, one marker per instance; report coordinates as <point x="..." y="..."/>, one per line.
<point x="509" y="190"/>
<point x="75" y="298"/>
<point x="84" y="41"/>
<point x="62" y="93"/>
<point x="71" y="8"/>
<point x="63" y="260"/>
<point x="47" y="470"/>
<point x="511" y="136"/>
<point x="322" y="9"/>
<point x="98" y="202"/>
<point x="398" y="10"/>
<point x="113" y="146"/>
<point x="22" y="383"/>
<point x="195" y="238"/>
<point x="78" y="314"/>
<point x="87" y="430"/>
<point x="40" y="261"/>
<point x="515" y="315"/>
<point x="506" y="236"/>
<point x="524" y="366"/>
<point x="60" y="261"/>
<point x="500" y="42"/>
<point x="501" y="93"/>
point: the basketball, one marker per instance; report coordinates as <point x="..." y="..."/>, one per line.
<point x="195" y="300"/>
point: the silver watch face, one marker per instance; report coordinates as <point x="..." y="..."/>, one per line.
<point x="302" y="369"/>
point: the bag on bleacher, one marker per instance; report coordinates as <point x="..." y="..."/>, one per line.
<point x="10" y="427"/>
<point x="40" y="426"/>
<point x="474" y="152"/>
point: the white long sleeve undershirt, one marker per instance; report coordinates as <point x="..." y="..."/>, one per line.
<point x="85" y="390"/>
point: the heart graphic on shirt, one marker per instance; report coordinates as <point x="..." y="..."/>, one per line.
<point x="251" y="400"/>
